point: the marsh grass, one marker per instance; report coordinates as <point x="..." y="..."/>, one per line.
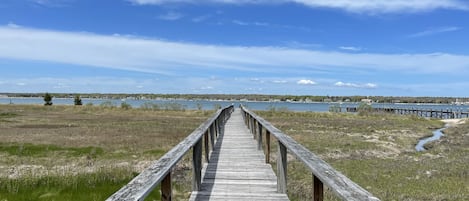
<point x="87" y="186"/>
<point x="377" y="152"/>
<point x="87" y="152"/>
<point x="43" y="150"/>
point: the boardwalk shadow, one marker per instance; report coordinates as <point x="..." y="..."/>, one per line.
<point x="208" y="180"/>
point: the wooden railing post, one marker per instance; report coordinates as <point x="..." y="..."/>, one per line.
<point x="212" y="135"/>
<point x="166" y="188"/>
<point x="259" y="137"/>
<point x="197" y="165"/>
<point x="216" y="128"/>
<point x="222" y="126"/>
<point x="254" y="128"/>
<point x="246" y="118"/>
<point x="267" y="141"/>
<point x="318" y="189"/>
<point x="282" y="168"/>
<point x="207" y="150"/>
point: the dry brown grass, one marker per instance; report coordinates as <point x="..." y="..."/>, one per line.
<point x="38" y="141"/>
<point x="112" y="129"/>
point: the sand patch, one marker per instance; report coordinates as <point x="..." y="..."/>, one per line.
<point x="454" y="122"/>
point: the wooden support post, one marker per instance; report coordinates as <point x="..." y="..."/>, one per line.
<point x="254" y="129"/>
<point x="267" y="141"/>
<point x="252" y="125"/>
<point x="166" y="188"/>
<point x="197" y="165"/>
<point x="207" y="150"/>
<point x="246" y="119"/>
<point x="259" y="137"/>
<point x="318" y="189"/>
<point x="282" y="168"/>
<point x="216" y="128"/>
<point x="212" y="135"/>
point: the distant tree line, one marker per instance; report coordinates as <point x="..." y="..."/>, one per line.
<point x="253" y="97"/>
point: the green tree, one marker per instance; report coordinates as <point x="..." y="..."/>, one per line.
<point x="47" y="99"/>
<point x="77" y="100"/>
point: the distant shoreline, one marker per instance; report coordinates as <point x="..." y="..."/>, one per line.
<point x="255" y="98"/>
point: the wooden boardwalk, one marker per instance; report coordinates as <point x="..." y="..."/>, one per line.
<point x="237" y="169"/>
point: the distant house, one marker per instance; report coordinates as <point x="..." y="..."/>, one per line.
<point x="366" y="100"/>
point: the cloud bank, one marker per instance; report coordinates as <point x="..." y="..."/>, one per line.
<point x="175" y="58"/>
<point x="355" y="6"/>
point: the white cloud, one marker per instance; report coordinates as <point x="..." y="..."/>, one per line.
<point x="355" y="6"/>
<point x="350" y="48"/>
<point x="170" y="58"/>
<point x="387" y="6"/>
<point x="435" y="31"/>
<point x="280" y="81"/>
<point x="171" y="16"/>
<point x="13" y="25"/>
<point x="306" y="82"/>
<point x="354" y="85"/>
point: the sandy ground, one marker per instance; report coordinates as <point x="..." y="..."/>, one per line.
<point x="454" y="122"/>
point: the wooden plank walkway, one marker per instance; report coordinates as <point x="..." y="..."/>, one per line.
<point x="237" y="170"/>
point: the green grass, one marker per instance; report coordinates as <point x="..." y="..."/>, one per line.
<point x="377" y="152"/>
<point x="91" y="186"/>
<point x="43" y="150"/>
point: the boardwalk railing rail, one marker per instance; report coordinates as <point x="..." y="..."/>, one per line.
<point x="322" y="172"/>
<point x="421" y="112"/>
<point x="160" y="171"/>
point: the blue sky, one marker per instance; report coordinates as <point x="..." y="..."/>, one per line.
<point x="297" y="47"/>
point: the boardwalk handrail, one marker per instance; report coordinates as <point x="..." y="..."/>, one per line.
<point x="322" y="172"/>
<point x="160" y="171"/>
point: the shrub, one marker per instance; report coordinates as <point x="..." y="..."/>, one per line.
<point x="364" y="109"/>
<point x="199" y="106"/>
<point x="126" y="106"/>
<point x="77" y="100"/>
<point x="150" y="106"/>
<point x="47" y="99"/>
<point x="107" y="104"/>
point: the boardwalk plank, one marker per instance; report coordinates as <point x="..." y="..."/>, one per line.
<point x="237" y="170"/>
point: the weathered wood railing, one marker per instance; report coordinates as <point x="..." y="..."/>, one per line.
<point x="322" y="172"/>
<point x="160" y="171"/>
<point x="421" y="112"/>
